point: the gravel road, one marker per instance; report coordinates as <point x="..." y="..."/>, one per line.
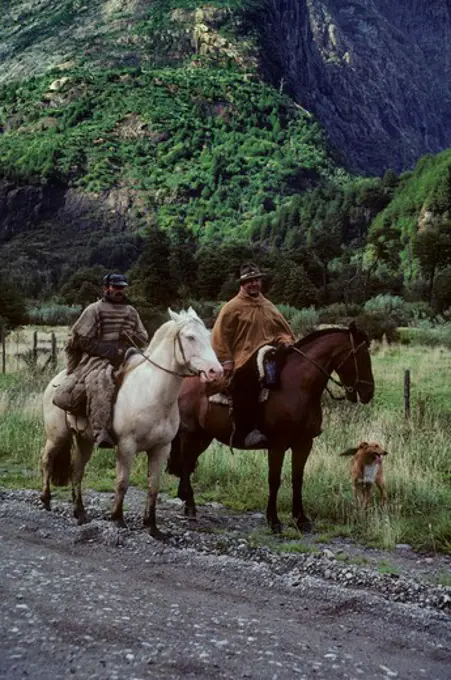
<point x="105" y="603"/>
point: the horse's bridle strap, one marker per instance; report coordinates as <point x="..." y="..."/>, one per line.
<point x="163" y="368"/>
<point x="353" y="351"/>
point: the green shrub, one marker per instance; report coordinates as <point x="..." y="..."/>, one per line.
<point x="53" y="314"/>
<point x="377" y="325"/>
<point x="426" y="335"/>
<point x="339" y="313"/>
<point x="389" y="306"/>
<point x="304" y="321"/>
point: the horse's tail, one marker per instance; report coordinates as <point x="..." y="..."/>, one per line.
<point x="60" y="463"/>
<point x="175" y="457"/>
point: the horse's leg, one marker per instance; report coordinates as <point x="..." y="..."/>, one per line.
<point x="185" y="450"/>
<point x="124" y="457"/>
<point x="156" y="458"/>
<point x="299" y="455"/>
<point x="275" y="462"/>
<point x="55" y="464"/>
<point x="82" y="453"/>
<point x="46" y="467"/>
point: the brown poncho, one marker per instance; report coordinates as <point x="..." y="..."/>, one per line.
<point x="245" y="324"/>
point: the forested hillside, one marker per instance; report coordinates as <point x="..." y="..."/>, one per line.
<point x="155" y="137"/>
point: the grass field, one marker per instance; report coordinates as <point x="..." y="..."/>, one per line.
<point x="418" y="469"/>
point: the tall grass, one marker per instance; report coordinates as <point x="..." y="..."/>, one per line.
<point x="417" y="469"/>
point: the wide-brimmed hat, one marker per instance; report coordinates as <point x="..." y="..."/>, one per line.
<point x="250" y="271"/>
<point x="118" y="280"/>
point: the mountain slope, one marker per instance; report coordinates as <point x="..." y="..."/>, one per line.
<point x="375" y="73"/>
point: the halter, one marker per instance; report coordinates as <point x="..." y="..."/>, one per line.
<point x="348" y="388"/>
<point x="177" y="342"/>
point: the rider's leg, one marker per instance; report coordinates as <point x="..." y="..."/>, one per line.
<point x="245" y="390"/>
<point x="100" y="390"/>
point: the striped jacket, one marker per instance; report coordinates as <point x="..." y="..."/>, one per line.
<point x="102" y="330"/>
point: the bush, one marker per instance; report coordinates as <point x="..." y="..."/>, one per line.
<point x="53" y="314"/>
<point x="391" y="307"/>
<point x="339" y="313"/>
<point x="377" y="325"/>
<point x="304" y="321"/>
<point x="427" y="335"/>
<point x="419" y="311"/>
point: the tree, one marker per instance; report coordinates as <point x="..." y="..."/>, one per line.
<point x="84" y="286"/>
<point x="324" y="241"/>
<point x="432" y="247"/>
<point x="182" y="260"/>
<point x="12" y="307"/>
<point x="218" y="265"/>
<point x="291" y="285"/>
<point x="152" y="271"/>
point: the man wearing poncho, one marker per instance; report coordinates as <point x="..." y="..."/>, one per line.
<point x="97" y="344"/>
<point x="246" y="323"/>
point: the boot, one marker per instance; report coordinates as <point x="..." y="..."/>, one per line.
<point x="105" y="440"/>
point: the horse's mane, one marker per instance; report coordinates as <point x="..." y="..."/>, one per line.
<point x="169" y="330"/>
<point x="306" y="340"/>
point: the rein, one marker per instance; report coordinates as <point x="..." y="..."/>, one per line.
<point x="163" y="368"/>
<point x="348" y="388"/>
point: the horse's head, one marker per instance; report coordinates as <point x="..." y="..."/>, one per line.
<point x="193" y="348"/>
<point x="354" y="367"/>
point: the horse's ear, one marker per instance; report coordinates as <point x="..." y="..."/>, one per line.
<point x="349" y="452"/>
<point x="353" y="327"/>
<point x="173" y="315"/>
<point x="192" y="312"/>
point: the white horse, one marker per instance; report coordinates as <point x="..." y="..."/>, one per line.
<point x="145" y="418"/>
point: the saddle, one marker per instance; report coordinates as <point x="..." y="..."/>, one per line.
<point x="268" y="366"/>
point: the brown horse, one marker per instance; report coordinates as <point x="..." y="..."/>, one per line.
<point x="290" y="418"/>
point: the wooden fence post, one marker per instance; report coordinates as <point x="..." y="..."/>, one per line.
<point x="3" y="334"/>
<point x="407" y="393"/>
<point x="54" y="358"/>
<point x="35" y="347"/>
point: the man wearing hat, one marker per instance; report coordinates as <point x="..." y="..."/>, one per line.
<point x="97" y="344"/>
<point x="246" y="323"/>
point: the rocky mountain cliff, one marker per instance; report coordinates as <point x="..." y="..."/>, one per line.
<point x="376" y="73"/>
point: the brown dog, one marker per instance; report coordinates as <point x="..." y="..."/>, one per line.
<point x="366" y="470"/>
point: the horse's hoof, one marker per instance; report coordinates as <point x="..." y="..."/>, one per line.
<point x="304" y="525"/>
<point x="159" y="535"/>
<point x="80" y="516"/>
<point x="46" y="503"/>
<point x="119" y="522"/>
<point x="190" y="511"/>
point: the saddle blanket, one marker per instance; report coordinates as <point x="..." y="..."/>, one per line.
<point x="223" y="399"/>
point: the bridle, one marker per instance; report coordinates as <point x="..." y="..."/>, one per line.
<point x="350" y="389"/>
<point x="177" y="343"/>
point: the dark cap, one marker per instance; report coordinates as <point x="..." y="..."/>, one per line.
<point x="115" y="280"/>
<point x="250" y="271"/>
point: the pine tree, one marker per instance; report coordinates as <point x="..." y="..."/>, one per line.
<point x="182" y="260"/>
<point x="152" y="271"/>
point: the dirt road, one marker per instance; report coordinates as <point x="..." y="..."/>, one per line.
<point x="99" y="602"/>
